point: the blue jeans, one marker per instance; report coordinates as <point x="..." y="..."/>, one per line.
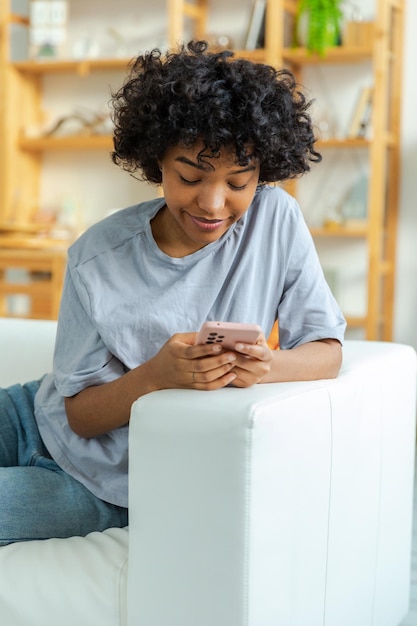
<point x="38" y="500"/>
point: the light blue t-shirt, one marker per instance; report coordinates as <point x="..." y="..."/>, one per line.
<point x="123" y="298"/>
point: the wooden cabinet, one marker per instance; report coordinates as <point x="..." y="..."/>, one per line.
<point x="383" y="52"/>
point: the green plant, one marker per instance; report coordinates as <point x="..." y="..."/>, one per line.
<point x="320" y="21"/>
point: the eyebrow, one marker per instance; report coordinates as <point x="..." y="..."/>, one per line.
<point x="203" y="166"/>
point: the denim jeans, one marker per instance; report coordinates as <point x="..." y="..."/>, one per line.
<point x="38" y="500"/>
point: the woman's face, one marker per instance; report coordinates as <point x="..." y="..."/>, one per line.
<point x="204" y="197"/>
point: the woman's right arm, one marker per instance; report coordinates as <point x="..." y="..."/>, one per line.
<point x="180" y="364"/>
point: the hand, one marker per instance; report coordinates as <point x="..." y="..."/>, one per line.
<point x="253" y="363"/>
<point x="180" y="364"/>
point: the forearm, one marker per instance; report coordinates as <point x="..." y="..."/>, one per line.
<point x="179" y="364"/>
<point x="100" y="409"/>
<point x="310" y="361"/>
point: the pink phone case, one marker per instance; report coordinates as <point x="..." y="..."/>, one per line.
<point x="228" y="334"/>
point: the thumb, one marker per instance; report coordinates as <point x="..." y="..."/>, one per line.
<point x="188" y="338"/>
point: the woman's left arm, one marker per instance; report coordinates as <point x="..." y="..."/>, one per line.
<point x="309" y="361"/>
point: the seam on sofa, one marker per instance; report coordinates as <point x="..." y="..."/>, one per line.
<point x="329" y="397"/>
<point x="247" y="530"/>
<point x="122" y="588"/>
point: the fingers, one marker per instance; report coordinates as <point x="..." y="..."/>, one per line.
<point x="185" y="343"/>
<point x="207" y="367"/>
<point x="259" y="350"/>
<point x="209" y="381"/>
<point x="197" y="366"/>
<point x="253" y="363"/>
<point x="212" y="372"/>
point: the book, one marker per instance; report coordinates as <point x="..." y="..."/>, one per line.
<point x="366" y="117"/>
<point x="20" y="7"/>
<point x="19" y="42"/>
<point x="256" y="31"/>
<point x="361" y="114"/>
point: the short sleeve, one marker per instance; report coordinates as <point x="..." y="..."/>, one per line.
<point x="81" y="358"/>
<point x="308" y="310"/>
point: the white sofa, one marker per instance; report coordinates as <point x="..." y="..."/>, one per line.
<point x="279" y="505"/>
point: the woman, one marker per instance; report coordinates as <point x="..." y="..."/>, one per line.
<point x="222" y="244"/>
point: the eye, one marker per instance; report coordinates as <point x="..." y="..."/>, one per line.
<point x="237" y="187"/>
<point x="188" y="182"/>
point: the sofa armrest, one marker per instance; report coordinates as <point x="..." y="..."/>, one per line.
<point x="370" y="518"/>
<point x="229" y="503"/>
<point x="237" y="509"/>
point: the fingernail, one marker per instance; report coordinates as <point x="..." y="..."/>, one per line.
<point x="216" y="348"/>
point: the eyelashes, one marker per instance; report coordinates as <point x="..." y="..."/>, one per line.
<point x="195" y="182"/>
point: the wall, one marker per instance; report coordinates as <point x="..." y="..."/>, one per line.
<point x="406" y="290"/>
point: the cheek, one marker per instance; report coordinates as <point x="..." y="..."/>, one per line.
<point x="243" y="203"/>
<point x="177" y="196"/>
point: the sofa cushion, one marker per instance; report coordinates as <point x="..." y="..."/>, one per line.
<point x="80" y="580"/>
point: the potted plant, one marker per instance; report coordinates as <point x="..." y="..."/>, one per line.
<point x="318" y="24"/>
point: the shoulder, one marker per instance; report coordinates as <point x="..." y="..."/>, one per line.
<point x="113" y="231"/>
<point x="273" y="200"/>
<point x="275" y="224"/>
<point x="274" y="208"/>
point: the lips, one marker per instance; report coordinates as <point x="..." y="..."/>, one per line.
<point x="207" y="225"/>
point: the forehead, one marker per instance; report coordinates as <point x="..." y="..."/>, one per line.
<point x="205" y="158"/>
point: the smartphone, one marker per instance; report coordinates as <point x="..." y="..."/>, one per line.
<point x="228" y="334"/>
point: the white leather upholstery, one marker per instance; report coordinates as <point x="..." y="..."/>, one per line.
<point x="59" y="582"/>
<point x="26" y="349"/>
<point x="80" y="581"/>
<point x="279" y="505"/>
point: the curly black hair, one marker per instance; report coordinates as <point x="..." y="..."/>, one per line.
<point x="194" y="95"/>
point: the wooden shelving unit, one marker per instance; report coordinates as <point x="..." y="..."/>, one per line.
<point x="24" y="243"/>
<point x="44" y="267"/>
<point x="384" y="52"/>
<point x="21" y="156"/>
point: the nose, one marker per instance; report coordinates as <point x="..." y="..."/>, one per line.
<point x="211" y="199"/>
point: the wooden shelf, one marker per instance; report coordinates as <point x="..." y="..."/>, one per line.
<point x="333" y="142"/>
<point x="301" y="56"/>
<point x="31" y="228"/>
<point x="71" y="66"/>
<point x="70" y="142"/>
<point x="30" y="289"/>
<point x="18" y="19"/>
<point x="27" y="244"/>
<point x="258" y="55"/>
<point x="354" y="230"/>
<point x="338" y="54"/>
<point x="354" y="321"/>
